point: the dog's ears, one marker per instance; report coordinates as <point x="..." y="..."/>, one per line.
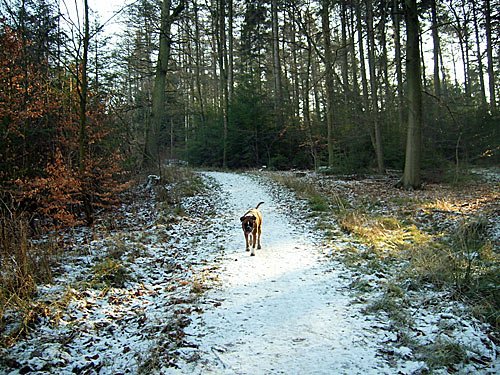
<point x="248" y="217"/>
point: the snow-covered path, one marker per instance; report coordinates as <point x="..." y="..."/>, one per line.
<point x="291" y="309"/>
<point x="284" y="311"/>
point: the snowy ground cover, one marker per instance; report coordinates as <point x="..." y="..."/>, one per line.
<point x="287" y="310"/>
<point x="190" y="300"/>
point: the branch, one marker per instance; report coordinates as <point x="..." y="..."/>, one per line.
<point x="178" y="10"/>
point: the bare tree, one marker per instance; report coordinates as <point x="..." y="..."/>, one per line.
<point x="411" y="175"/>
<point x="329" y="73"/>
<point x="278" y="87"/>
<point x="377" y="135"/>
<point x="158" y="110"/>
<point x="489" y="53"/>
<point x="223" y="75"/>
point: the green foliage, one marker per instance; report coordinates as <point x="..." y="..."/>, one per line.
<point x="353" y="150"/>
<point x="444" y="353"/>
<point x="249" y="127"/>
<point x="109" y="273"/>
<point x="205" y="143"/>
<point x="178" y="182"/>
<point x="318" y="203"/>
<point x="460" y="132"/>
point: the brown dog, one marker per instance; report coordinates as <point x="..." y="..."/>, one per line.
<point x="251" y="223"/>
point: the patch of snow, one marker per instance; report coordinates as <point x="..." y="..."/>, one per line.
<point x="288" y="310"/>
<point x="284" y="310"/>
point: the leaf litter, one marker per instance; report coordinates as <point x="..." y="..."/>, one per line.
<point x="190" y="300"/>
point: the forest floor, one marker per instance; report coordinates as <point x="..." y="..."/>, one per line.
<point x="155" y="289"/>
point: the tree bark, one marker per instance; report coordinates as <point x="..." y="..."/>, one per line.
<point x="411" y="176"/>
<point x="223" y="64"/>
<point x="278" y="87"/>
<point x="328" y="60"/>
<point x="345" y="51"/>
<point x="479" y="56"/>
<point x="83" y="134"/>
<point x="374" y="90"/>
<point x="364" y="79"/>
<point x="398" y="61"/>
<point x="158" y="110"/>
<point x="489" y="54"/>
<point x="436" y="49"/>
<point x="198" y="64"/>
<point x="83" y="91"/>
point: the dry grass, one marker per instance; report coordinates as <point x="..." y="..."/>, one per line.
<point x="109" y="273"/>
<point x="177" y="182"/>
<point x="434" y="238"/>
<point x="387" y="235"/>
<point x="445" y="245"/>
<point x="24" y="263"/>
<point x="305" y="190"/>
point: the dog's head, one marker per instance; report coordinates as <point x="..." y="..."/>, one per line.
<point x="248" y="222"/>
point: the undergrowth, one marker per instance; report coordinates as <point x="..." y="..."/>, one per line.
<point x="24" y="263"/>
<point x="27" y="259"/>
<point x="178" y="182"/>
<point x="458" y="257"/>
<point x="317" y="201"/>
<point x="414" y="253"/>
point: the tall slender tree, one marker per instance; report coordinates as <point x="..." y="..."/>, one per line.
<point x="158" y="110"/>
<point x="377" y="133"/>
<point x="489" y="54"/>
<point x="411" y="176"/>
<point x="223" y="75"/>
<point x="83" y="138"/>
<point x="278" y="87"/>
<point x="436" y="48"/>
<point x="329" y="78"/>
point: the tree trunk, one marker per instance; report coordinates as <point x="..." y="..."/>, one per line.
<point x="489" y="53"/>
<point x="223" y="63"/>
<point x="398" y="58"/>
<point x="479" y="56"/>
<point x="198" y="65"/>
<point x="345" y="51"/>
<point x="295" y="71"/>
<point x="230" y="68"/>
<point x="374" y="89"/>
<point x="384" y="58"/>
<point x="328" y="60"/>
<point x="278" y="94"/>
<point x="463" y="37"/>
<point x="411" y="176"/>
<point x="354" y="61"/>
<point x="436" y="49"/>
<point x="158" y="110"/>
<point x="364" y="79"/>
<point x="83" y="134"/>
<point x="83" y="91"/>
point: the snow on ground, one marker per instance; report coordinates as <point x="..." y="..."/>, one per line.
<point x="124" y="328"/>
<point x="288" y="310"/>
<point x="283" y="311"/>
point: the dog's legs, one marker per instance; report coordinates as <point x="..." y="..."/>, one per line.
<point x="252" y="244"/>
<point x="259" y="232"/>
<point x="247" y="248"/>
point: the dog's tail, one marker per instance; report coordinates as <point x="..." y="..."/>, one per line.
<point x="259" y="205"/>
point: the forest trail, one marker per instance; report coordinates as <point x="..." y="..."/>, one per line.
<point x="154" y="291"/>
<point x="284" y="311"/>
